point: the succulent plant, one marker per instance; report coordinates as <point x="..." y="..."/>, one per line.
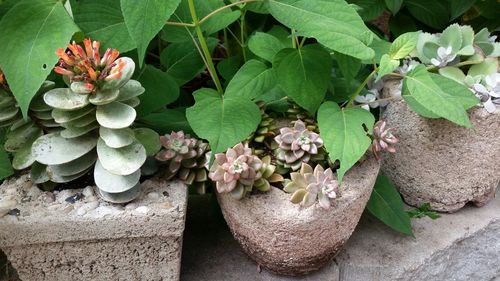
<point x="96" y="113"/>
<point x="383" y="139"/>
<point x="185" y="158"/>
<point x="237" y="171"/>
<point x="309" y="186"/>
<point x="266" y="128"/>
<point x="297" y="145"/>
<point x="295" y="112"/>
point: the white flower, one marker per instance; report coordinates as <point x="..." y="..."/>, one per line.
<point x="444" y="56"/>
<point x="488" y="91"/>
<point x="367" y="101"/>
<point x="408" y="65"/>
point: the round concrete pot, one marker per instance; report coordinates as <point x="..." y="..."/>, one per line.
<point x="441" y="163"/>
<point x="290" y="240"/>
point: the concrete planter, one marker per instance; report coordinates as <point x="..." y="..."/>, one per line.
<point x="291" y="240"/>
<point x="442" y="163"/>
<point x="67" y="236"/>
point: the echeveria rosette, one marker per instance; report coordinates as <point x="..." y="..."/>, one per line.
<point x="297" y="145"/>
<point x="185" y="158"/>
<point x="96" y="112"/>
<point x="383" y="139"/>
<point x="309" y="186"/>
<point x="238" y="171"/>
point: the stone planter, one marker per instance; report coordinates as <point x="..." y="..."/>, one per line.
<point x="291" y="240"/>
<point x="67" y="236"/>
<point x="441" y="163"/>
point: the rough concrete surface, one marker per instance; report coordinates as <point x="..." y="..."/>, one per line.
<point x="441" y="163"/>
<point x="289" y="239"/>
<point x="88" y="239"/>
<point x="463" y="246"/>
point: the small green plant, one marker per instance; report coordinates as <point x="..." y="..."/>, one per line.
<point x="423" y="211"/>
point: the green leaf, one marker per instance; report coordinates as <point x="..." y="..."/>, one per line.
<point x="457" y="92"/>
<point x="386" y="204"/>
<point x="381" y="47"/>
<point x="102" y="20"/>
<point x="149" y="139"/>
<point x="222" y="121"/>
<point x="304" y="74"/>
<point x="459" y="7"/>
<point x="144" y="19"/>
<point x="393" y="5"/>
<point x="31" y="32"/>
<point x="370" y="9"/>
<point x="252" y="80"/>
<point x="348" y="65"/>
<point x="431" y="12"/>
<point x="419" y="84"/>
<point x="161" y="89"/>
<point x="5" y="165"/>
<point x="183" y="61"/>
<point x="387" y="65"/>
<point x="228" y="67"/>
<point x="167" y="121"/>
<point x="342" y="130"/>
<point x="333" y="23"/>
<point x="265" y="45"/>
<point x="403" y="45"/>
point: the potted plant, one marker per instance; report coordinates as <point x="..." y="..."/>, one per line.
<point x="439" y="162"/>
<point x="71" y="133"/>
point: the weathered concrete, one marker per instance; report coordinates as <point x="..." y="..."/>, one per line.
<point x="460" y="246"/>
<point x="52" y="239"/>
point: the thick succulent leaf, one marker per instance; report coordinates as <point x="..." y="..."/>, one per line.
<point x="121" y="197"/>
<point x="64" y="116"/>
<point x="81" y="122"/>
<point x="73" y="132"/>
<point x="18" y="138"/>
<point x="8" y="113"/>
<point x="265" y="45"/>
<point x="343" y="132"/>
<point x="222" y="121"/>
<point x="127" y="71"/>
<point x="419" y="84"/>
<point x="31" y="32"/>
<point x="333" y="23"/>
<point x="131" y="89"/>
<point x="42" y="115"/>
<point x="386" y="204"/>
<point x="149" y="139"/>
<point x="5" y="165"/>
<point x="23" y="158"/>
<point x="115" y="115"/>
<point x="451" y="36"/>
<point x="38" y="173"/>
<point x="102" y="20"/>
<point x="116" y="138"/>
<point x="161" y="89"/>
<point x="65" y="99"/>
<point x="133" y="102"/>
<point x="121" y="161"/>
<point x="253" y="79"/>
<point x="112" y="183"/>
<point x="52" y="149"/>
<point x="101" y="97"/>
<point x="55" y="177"/>
<point x="76" y="166"/>
<point x="304" y="74"/>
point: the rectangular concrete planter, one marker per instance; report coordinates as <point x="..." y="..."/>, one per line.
<point x="52" y="236"/>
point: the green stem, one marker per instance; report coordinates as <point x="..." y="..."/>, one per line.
<point x="242" y="35"/>
<point x="294" y="41"/>
<point x="204" y="47"/>
<point x="226" y="42"/>
<point x="361" y="87"/>
<point x="302" y="42"/>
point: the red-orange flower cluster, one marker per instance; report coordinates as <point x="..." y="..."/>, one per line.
<point x="86" y="65"/>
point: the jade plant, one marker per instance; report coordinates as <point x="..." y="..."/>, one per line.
<point x="95" y="113"/>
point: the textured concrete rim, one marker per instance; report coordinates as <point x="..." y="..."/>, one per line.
<point x="289" y="240"/>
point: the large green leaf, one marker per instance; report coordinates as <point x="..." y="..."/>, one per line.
<point x="30" y="33"/>
<point x="265" y="45"/>
<point x="183" y="60"/>
<point x="370" y="9"/>
<point x="385" y="203"/>
<point x="167" y="121"/>
<point x="343" y="132"/>
<point x="145" y="18"/>
<point x="333" y="23"/>
<point x="403" y="45"/>
<point x="304" y="74"/>
<point x="348" y="65"/>
<point x="161" y="89"/>
<point x="386" y="66"/>
<point x="419" y="85"/>
<point x="431" y="12"/>
<point x="394" y="5"/>
<point x="223" y="121"/>
<point x="457" y="92"/>
<point x="459" y="7"/>
<point x="102" y="20"/>
<point x="252" y="80"/>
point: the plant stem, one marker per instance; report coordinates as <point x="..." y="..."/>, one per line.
<point x="226" y="43"/>
<point x="361" y="87"/>
<point x="302" y="42"/>
<point x="242" y="35"/>
<point x="294" y="42"/>
<point x="204" y="47"/>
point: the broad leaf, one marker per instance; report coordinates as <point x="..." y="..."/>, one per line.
<point x="343" y="132"/>
<point x="333" y="23"/>
<point x="102" y="20"/>
<point x="431" y="12"/>
<point x="370" y="9"/>
<point x="161" y="89"/>
<point x="167" y="121"/>
<point x="387" y="65"/>
<point x="265" y="45"/>
<point x="403" y="45"/>
<point x="145" y="18"/>
<point x="419" y="84"/>
<point x="183" y="60"/>
<point x="385" y="203"/>
<point x="304" y="74"/>
<point x="252" y="80"/>
<point x="31" y="32"/>
<point x="348" y="65"/>
<point x="458" y="92"/>
<point x="393" y="5"/>
<point x="459" y="7"/>
<point x="223" y="121"/>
